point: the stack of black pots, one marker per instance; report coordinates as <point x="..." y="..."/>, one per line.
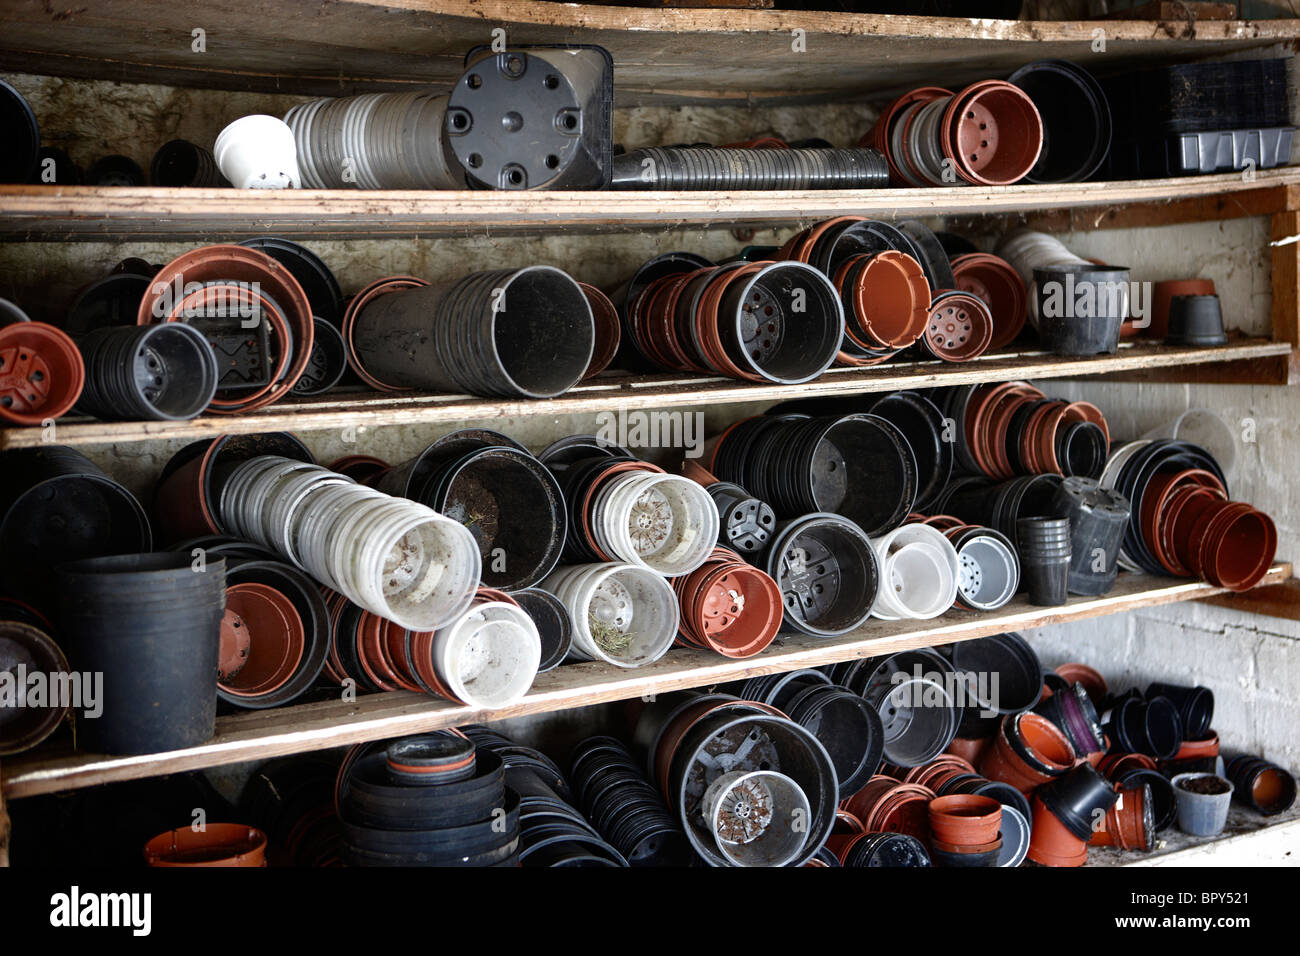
<point x="428" y="800"/>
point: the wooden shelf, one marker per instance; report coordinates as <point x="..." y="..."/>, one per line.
<point x="260" y="735"/>
<point x="1263" y="361"/>
<point x="1248" y="839"/>
<point x="96" y="213"/>
<point x="660" y="55"/>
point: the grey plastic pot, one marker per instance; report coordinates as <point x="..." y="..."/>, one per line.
<point x="1202" y="814"/>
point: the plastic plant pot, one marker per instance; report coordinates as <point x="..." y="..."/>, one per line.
<point x="744" y="742"/>
<point x="1195" y="320"/>
<point x="993" y="132"/>
<point x="922" y="425"/>
<point x="848" y="727"/>
<point x="988" y="568"/>
<point x="25" y="651"/>
<point x="761" y="332"/>
<point x="110" y="301"/>
<point x="746" y="523"/>
<point x="1264" y="787"/>
<point x="1203" y="801"/>
<point x="1130" y="823"/>
<point x="948" y="854"/>
<point x="58" y="506"/>
<point x="1052" y="843"/>
<point x="1078" y="799"/>
<point x="1152" y="727"/>
<point x="1028" y="751"/>
<point x="554" y="625"/>
<point x="258" y="152"/>
<point x="827" y="572"/>
<point x="1195" y="706"/>
<point x="180" y="163"/>
<point x="607" y="328"/>
<point x="317" y="281"/>
<point x="1076" y="120"/>
<point x="1206" y="747"/>
<point x="488" y="657"/>
<point x="262" y="641"/>
<point x="457" y="336"/>
<point x="163" y="372"/>
<point x="328" y="361"/>
<point x="666" y="523"/>
<point x="919" y="720"/>
<point x="1045" y="567"/>
<point x="889" y="299"/>
<point x="1071" y="710"/>
<point x="960" y="326"/>
<point x="431" y="759"/>
<point x="41" y="373"/>
<point x="22" y="133"/>
<point x="622" y="614"/>
<point x="886" y="850"/>
<point x="965" y="820"/>
<point x="1016" y="666"/>
<point x="999" y="286"/>
<point x="751" y="815"/>
<point x="1162" y="294"/>
<point x="160" y="669"/>
<point x="511" y="505"/>
<point x="114" y="170"/>
<point x="729" y="606"/>
<point x="919" y="572"/>
<point x="218" y="844"/>
<point x="1080" y="308"/>
<point x="1016" y="837"/>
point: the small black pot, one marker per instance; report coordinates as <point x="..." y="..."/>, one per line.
<point x="1076" y="798"/>
<point x="1195" y="320"/>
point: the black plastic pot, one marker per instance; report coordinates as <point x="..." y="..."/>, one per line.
<point x="1006" y="658"/>
<point x="1263" y="786"/>
<point x="1076" y="120"/>
<point x="924" y="427"/>
<point x="56" y="506"/>
<point x="1044" y="565"/>
<point x="180" y="163"/>
<point x="827" y="572"/>
<point x="372" y="798"/>
<point x="1164" y="802"/>
<point x="1098" y="517"/>
<point x="1075" y="798"/>
<point x="164" y="372"/>
<point x="1195" y="320"/>
<point x="111" y="301"/>
<point x="1081" y="308"/>
<point x="512" y="506"/>
<point x="858" y="466"/>
<point x="553" y="624"/>
<point x="115" y="170"/>
<point x="1195" y="707"/>
<point x="966" y="860"/>
<point x="847" y="726"/>
<point x="21" y="135"/>
<point x="525" y="333"/>
<point x="747" y="522"/>
<point x="1081" y="449"/>
<point x="888" y="850"/>
<point x="938" y="269"/>
<point x="909" y="691"/>
<point x="27" y="651"/>
<point x="720" y="167"/>
<point x="327" y="363"/>
<point x="150" y="623"/>
<point x="317" y="281"/>
<point x="1152" y="727"/>
<point x="480" y="843"/>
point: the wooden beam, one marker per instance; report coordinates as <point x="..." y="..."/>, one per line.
<point x="1276" y="600"/>
<point x="360" y="410"/>
<point x="660" y="55"/>
<point x="60" y="213"/>
<point x="259" y="735"/>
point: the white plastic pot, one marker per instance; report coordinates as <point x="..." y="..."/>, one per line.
<point x="488" y="657"/>
<point x="988" y="572"/>
<point x="665" y="523"/>
<point x="622" y="614"/>
<point x="919" y="573"/>
<point x="754" y="817"/>
<point x="1200" y="426"/>
<point x="258" y="152"/>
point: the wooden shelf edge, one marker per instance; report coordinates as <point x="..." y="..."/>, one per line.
<point x="358" y="411"/>
<point x="60" y="213"/>
<point x="263" y="734"/>
<point x="1277" y="600"/>
<point x="1249" y="839"/>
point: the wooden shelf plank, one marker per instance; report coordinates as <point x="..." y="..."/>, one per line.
<point x="368" y="409"/>
<point x="97" y="213"/>
<point x="660" y="55"/>
<point x="264" y="734"/>
<point x="1248" y="839"/>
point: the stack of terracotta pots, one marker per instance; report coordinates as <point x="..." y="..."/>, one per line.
<point x="728" y="606"/>
<point x="966" y="830"/>
<point x="41" y="370"/>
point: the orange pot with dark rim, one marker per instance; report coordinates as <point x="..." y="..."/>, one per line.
<point x="217" y="844"/>
<point x="965" y="819"/>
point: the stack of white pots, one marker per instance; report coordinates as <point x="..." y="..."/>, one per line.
<point x="664" y="523"/>
<point x="489" y="655"/>
<point x="918" y="573"/>
<point x="623" y="614"/>
<point x="395" y="558"/>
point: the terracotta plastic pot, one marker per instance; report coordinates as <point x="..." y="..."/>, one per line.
<point x="886" y="305"/>
<point x="729" y="606"/>
<point x="960" y="327"/>
<point x="1162" y="294"/>
<point x="1028" y="751"/>
<point x="41" y="373"/>
<point x="355" y="305"/>
<point x="965" y="820"/>
<point x="1052" y="843"/>
<point x="218" y="844"/>
<point x="1263" y="786"/>
<point x="999" y="286"/>
<point x="262" y="640"/>
<point x="608" y="329"/>
<point x="1130" y="824"/>
<point x="993" y="133"/>
<point x="1092" y="681"/>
